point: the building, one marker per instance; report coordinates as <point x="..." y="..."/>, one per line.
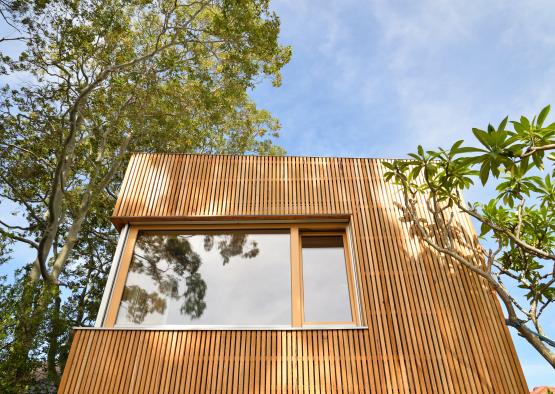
<point x="283" y="274"/>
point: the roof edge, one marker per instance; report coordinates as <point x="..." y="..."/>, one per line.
<point x="253" y="155"/>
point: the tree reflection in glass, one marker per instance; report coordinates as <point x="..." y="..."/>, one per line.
<point x="225" y="278"/>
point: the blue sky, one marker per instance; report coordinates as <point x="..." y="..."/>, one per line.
<point x="376" y="78"/>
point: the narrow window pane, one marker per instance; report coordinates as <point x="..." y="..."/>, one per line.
<point x="326" y="290"/>
<point x="226" y="278"/>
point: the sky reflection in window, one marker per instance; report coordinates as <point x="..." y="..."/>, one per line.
<point x="326" y="290"/>
<point x="226" y="278"/>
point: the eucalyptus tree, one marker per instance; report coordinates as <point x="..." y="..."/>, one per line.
<point x="515" y="254"/>
<point x="94" y="81"/>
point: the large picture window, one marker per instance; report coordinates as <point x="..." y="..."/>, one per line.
<point x="225" y="278"/>
<point x="280" y="276"/>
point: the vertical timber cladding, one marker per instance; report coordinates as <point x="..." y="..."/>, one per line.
<point x="432" y="326"/>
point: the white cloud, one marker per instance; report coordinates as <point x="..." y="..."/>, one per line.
<point x="427" y="71"/>
<point x="447" y="59"/>
<point x="417" y="29"/>
<point x="376" y="78"/>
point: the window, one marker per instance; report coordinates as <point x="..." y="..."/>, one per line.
<point x="229" y="278"/>
<point x="325" y="284"/>
<point x="278" y="276"/>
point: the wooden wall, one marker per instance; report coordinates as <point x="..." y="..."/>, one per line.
<point x="432" y="327"/>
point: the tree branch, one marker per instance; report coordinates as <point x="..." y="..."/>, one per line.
<point x="16" y="237"/>
<point x="533" y="149"/>
<point x="537" y="252"/>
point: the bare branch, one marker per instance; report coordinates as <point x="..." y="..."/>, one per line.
<point x="11" y="226"/>
<point x="534" y="149"/>
<point x="533" y="250"/>
<point x="2" y="39"/>
<point x="16" y="237"/>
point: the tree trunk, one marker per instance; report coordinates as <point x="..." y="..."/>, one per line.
<point x="534" y="340"/>
<point x="53" y="348"/>
<point x="31" y="314"/>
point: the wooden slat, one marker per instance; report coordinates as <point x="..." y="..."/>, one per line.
<point x="432" y="326"/>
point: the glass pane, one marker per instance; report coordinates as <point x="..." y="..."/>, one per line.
<point x="225" y="278"/>
<point x="326" y="290"/>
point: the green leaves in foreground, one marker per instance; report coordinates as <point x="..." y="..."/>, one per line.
<point x="517" y="226"/>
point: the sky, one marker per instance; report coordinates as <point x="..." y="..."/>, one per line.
<point x="377" y="78"/>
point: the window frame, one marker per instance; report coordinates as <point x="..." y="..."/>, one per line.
<point x="349" y="273"/>
<point x="296" y="231"/>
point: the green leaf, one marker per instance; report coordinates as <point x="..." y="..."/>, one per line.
<point x="525" y="122"/>
<point x="518" y="127"/>
<point x="456" y="145"/>
<point x="503" y="124"/>
<point x="420" y="150"/>
<point x="484" y="229"/>
<point x="414" y="156"/>
<point x="482" y="136"/>
<point x="543" y="114"/>
<point x="491" y="129"/>
<point x="388" y="165"/>
<point x="537" y="159"/>
<point x="470" y="149"/>
<point x="484" y="172"/>
<point x="415" y="172"/>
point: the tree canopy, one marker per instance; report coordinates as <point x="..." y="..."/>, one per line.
<point x="516" y="252"/>
<point x="101" y="79"/>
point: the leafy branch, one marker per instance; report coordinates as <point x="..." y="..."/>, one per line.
<point x="103" y="78"/>
<point x="519" y="220"/>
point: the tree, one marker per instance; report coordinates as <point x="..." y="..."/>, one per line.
<point x="519" y="221"/>
<point x="102" y="79"/>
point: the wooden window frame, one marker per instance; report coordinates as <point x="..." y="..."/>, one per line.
<point x="348" y="271"/>
<point x="296" y="231"/>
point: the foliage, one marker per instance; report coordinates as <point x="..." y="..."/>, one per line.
<point x="168" y="259"/>
<point x="519" y="221"/>
<point x="103" y="78"/>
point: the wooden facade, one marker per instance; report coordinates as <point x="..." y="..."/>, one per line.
<point x="428" y="325"/>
